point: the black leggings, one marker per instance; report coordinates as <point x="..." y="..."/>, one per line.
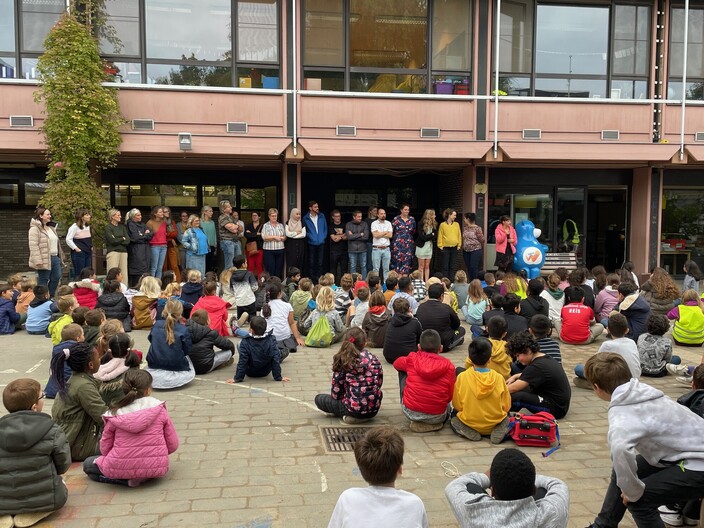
<point x="91" y="469"/>
<point x="330" y="405"/>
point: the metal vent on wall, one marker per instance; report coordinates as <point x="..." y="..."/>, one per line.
<point x="142" y="124"/>
<point x="345" y="130"/>
<point x="21" y="121"/>
<point x="532" y="133"/>
<point x="430" y="132"/>
<point x="699" y="136"/>
<point x="237" y="127"/>
<point x="610" y="134"/>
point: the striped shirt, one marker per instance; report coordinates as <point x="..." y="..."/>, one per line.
<point x="271" y="230"/>
<point x="550" y="347"/>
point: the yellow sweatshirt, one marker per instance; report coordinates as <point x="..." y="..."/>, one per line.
<point x="55" y="328"/>
<point x="449" y="235"/>
<point x="481" y="399"/>
<point x="500" y="361"/>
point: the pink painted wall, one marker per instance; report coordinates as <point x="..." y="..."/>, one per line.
<point x="639" y="231"/>
<point x="672" y="121"/>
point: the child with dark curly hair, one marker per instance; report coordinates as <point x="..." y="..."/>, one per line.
<point x="654" y="349"/>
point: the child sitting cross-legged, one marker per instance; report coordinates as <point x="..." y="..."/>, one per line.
<point x="118" y="360"/>
<point x="39" y="312"/>
<point x="203" y="340"/>
<point x="655" y="349"/>
<point x="427" y="381"/>
<point x="540" y="327"/>
<point x="114" y="303"/>
<point x="499" y="360"/>
<point x="66" y="305"/>
<point x="70" y="334"/>
<point x="481" y="398"/>
<point x="138" y="436"/>
<point x="519" y="497"/>
<point x="86" y="288"/>
<point x="34" y="453"/>
<point x="689" y="320"/>
<point x="655" y="444"/>
<point x="379" y="456"/>
<point x="299" y="298"/>
<point x="216" y="308"/>
<point x="325" y="307"/>
<point x="91" y="329"/>
<point x="10" y="320"/>
<point x="259" y="354"/>
<point x="578" y="326"/>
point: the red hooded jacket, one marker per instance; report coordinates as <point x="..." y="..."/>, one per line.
<point x="217" y="310"/>
<point x="430" y="382"/>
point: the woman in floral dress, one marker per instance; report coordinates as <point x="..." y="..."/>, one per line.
<point x="403" y="245"/>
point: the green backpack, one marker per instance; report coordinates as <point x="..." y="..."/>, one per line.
<point x="320" y="334"/>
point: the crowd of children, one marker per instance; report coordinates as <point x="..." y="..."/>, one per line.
<point x="513" y="363"/>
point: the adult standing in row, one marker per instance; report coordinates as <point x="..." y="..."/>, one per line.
<point x="210" y="230"/>
<point x="181" y="228"/>
<point x="196" y="243"/>
<point x="116" y="241"/>
<point x="139" y="253"/>
<point x="357" y="236"/>
<point x="45" y="254"/>
<point x="274" y="237"/>
<point x="449" y="242"/>
<point x="338" y="245"/>
<point x="255" y="245"/>
<point x="505" y="243"/>
<point x="382" y="232"/>
<point x="372" y="215"/>
<point x="404" y="227"/>
<point x="295" y="240"/>
<point x="427" y="231"/>
<point x="157" y="243"/>
<point x="230" y="234"/>
<point x="316" y="233"/>
<point x="171" y="260"/>
<point x="472" y="244"/>
<point x="78" y="238"/>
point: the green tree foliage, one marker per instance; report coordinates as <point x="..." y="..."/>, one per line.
<point x="81" y="128"/>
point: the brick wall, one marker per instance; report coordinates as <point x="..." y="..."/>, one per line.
<point x="14" y="252"/>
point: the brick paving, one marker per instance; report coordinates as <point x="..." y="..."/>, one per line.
<point x="251" y="455"/>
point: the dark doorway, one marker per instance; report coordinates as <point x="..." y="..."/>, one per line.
<point x="606" y="227"/>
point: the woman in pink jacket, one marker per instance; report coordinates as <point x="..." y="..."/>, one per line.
<point x="138" y="436"/>
<point x="505" y="243"/>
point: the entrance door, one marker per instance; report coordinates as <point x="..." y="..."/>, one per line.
<point x="570" y="220"/>
<point x="607" y="212"/>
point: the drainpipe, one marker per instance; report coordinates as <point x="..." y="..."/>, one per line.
<point x="296" y="48"/>
<point x="497" y="16"/>
<point x="684" y="76"/>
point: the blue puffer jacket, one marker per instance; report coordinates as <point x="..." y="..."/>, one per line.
<point x="172" y="357"/>
<point x="8" y="316"/>
<point x="313" y="236"/>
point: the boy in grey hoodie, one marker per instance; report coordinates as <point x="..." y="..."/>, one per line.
<point x="656" y="446"/>
<point x="519" y="498"/>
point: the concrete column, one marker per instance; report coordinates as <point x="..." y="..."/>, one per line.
<point x="644" y="229"/>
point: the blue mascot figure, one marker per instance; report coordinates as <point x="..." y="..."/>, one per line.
<point x="530" y="254"/>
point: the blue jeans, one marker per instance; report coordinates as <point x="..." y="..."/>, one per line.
<point x="370" y="261"/>
<point x="228" y="253"/>
<point x="157" y="264"/>
<point x="315" y="261"/>
<point x="80" y="260"/>
<point x="51" y="277"/>
<point x="196" y="262"/>
<point x="274" y="261"/>
<point x="473" y="262"/>
<point x="381" y="257"/>
<point x="362" y="258"/>
<point x="579" y="371"/>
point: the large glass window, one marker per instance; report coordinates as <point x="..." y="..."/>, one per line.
<point x="695" y="53"/>
<point x="580" y="51"/>
<point x="37" y="19"/>
<point x="324" y="33"/>
<point x="122" y="34"/>
<point x="7" y="26"/>
<point x="257" y="31"/>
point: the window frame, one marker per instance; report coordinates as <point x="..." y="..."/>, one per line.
<point x="678" y="4"/>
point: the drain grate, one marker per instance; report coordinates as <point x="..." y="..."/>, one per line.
<point x="339" y="439"/>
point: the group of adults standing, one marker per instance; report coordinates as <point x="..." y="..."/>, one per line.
<point x="373" y="243"/>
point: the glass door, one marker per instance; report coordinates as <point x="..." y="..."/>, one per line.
<point x="570" y="212"/>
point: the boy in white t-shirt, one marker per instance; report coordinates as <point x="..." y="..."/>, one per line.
<point x="379" y="455"/>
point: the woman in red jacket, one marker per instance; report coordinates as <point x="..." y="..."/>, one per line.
<point x="505" y="243"/>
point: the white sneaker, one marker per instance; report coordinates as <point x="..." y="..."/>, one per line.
<point x="684" y="380"/>
<point x="677" y="370"/>
<point x="672" y="517"/>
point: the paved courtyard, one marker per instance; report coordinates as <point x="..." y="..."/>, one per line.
<point x="251" y="455"/>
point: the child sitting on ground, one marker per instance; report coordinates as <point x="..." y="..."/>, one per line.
<point x="203" y="340"/>
<point x="541" y="329"/>
<point x="499" y="360"/>
<point x="137" y="439"/>
<point x="108" y="329"/>
<point x="419" y="290"/>
<point x="325" y="307"/>
<point x="259" y="354"/>
<point x="534" y="304"/>
<point x="543" y="385"/>
<point x="620" y="344"/>
<point x="86" y="288"/>
<point x="475" y="303"/>
<point x="67" y="305"/>
<point x="511" y="306"/>
<point x="216" y="308"/>
<point x="654" y="349"/>
<point x="78" y="407"/>
<point x="119" y="359"/>
<point x="634" y="307"/>
<point x="481" y="398"/>
<point x="607" y="299"/>
<point x="192" y="290"/>
<point x="293" y="276"/>
<point x="379" y="456"/>
<point x="554" y="296"/>
<point x="519" y="497"/>
<point x="144" y="303"/>
<point x="299" y="299"/>
<point x="689" y="320"/>
<point x="91" y="329"/>
<point x="70" y="334"/>
<point x="15" y="281"/>
<point x="390" y="284"/>
<point x="10" y="320"/>
<point x="34" y="453"/>
<point x="357" y="312"/>
<point x="39" y="312"/>
<point x="356" y="381"/>
<point x="427" y="381"/>
<point x="79" y="315"/>
<point x="578" y="326"/>
<point x="114" y="304"/>
<point x="655" y="444"/>
<point x="26" y="295"/>
<point x="461" y="288"/>
<point x="172" y="291"/>
<point x="376" y="320"/>
<point x="344" y="295"/>
<point x="491" y="288"/>
<point x="244" y="287"/>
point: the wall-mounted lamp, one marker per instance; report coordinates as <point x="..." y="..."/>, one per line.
<point x="184" y="141"/>
<point x="480" y="188"/>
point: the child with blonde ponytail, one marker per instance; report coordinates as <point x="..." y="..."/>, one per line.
<point x="167" y="359"/>
<point x="138" y="436"/>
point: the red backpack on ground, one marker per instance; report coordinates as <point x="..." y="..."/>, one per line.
<point x="535" y="430"/>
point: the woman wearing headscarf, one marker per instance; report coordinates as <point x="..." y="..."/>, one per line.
<point x="45" y="254"/>
<point x="295" y="240"/>
<point x="139" y="252"/>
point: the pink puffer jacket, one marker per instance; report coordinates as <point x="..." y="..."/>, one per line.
<point x="137" y="441"/>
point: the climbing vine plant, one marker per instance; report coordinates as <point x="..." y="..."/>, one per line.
<point x="82" y="117"/>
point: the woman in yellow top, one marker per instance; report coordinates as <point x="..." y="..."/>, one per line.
<point x="449" y="242"/>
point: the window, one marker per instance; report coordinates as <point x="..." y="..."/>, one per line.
<point x="695" y="53"/>
<point x="122" y="34"/>
<point x="7" y="27"/>
<point x="214" y="194"/>
<point x="9" y="193"/>
<point x="33" y="191"/>
<point x="576" y="54"/>
<point x="371" y="46"/>
<point x="37" y="19"/>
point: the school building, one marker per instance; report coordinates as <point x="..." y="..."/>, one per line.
<point x="585" y="117"/>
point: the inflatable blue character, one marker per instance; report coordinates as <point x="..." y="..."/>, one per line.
<point x="530" y="254"/>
